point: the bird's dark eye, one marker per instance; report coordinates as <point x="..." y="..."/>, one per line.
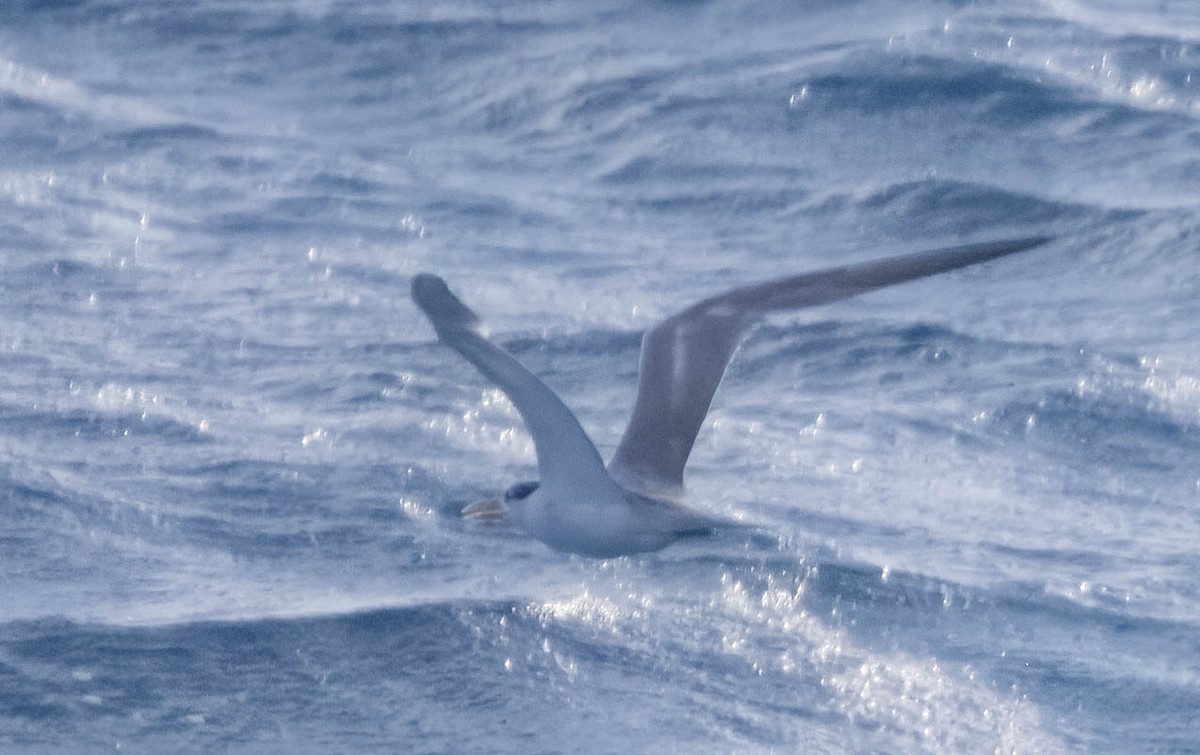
<point x="521" y="490"/>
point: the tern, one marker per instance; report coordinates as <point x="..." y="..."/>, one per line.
<point x="633" y="505"/>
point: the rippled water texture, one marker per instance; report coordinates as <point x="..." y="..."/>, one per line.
<point x="232" y="452"/>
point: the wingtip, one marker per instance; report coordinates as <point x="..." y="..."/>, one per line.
<point x="442" y="307"/>
<point x="1008" y="246"/>
<point x="426" y="285"/>
<point x="949" y="258"/>
<point x="1013" y="246"/>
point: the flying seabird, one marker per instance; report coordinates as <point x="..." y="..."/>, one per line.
<point x="633" y="504"/>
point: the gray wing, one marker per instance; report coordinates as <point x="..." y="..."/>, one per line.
<point x="685" y="356"/>
<point x="567" y="459"/>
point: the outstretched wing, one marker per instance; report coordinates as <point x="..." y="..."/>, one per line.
<point x="567" y="459"/>
<point x="685" y="356"/>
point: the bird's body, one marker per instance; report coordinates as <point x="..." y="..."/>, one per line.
<point x="632" y="505"/>
<point x="630" y="523"/>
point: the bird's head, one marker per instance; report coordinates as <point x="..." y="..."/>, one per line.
<point x="509" y="506"/>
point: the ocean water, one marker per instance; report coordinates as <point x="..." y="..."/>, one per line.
<point x="232" y="452"/>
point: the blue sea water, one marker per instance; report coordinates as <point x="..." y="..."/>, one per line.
<point x="231" y="451"/>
